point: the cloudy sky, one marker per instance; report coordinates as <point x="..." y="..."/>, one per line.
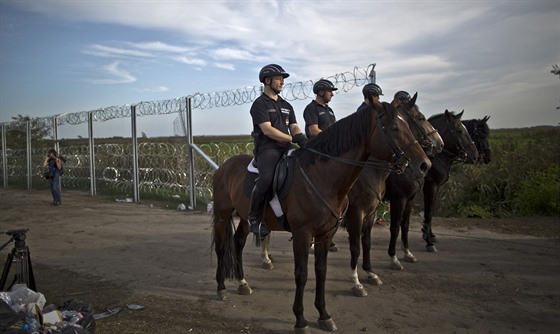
<point x="486" y="57"/>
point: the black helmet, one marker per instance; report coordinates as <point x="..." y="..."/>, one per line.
<point x="323" y="84"/>
<point x="402" y="95"/>
<point x="271" y="70"/>
<point x="372" y="89"/>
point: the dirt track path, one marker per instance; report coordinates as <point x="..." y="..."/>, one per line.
<point x="110" y="254"/>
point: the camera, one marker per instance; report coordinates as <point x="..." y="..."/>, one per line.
<point x="18" y="235"/>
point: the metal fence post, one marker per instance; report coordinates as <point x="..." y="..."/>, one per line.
<point x="135" y="178"/>
<point x="4" y="157"/>
<point x="55" y="134"/>
<point x="28" y="154"/>
<point x="91" y="155"/>
<point x="371" y="75"/>
<point x="188" y="118"/>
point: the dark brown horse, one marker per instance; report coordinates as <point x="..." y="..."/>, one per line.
<point x="323" y="174"/>
<point x="480" y="133"/>
<point x="368" y="191"/>
<point x="459" y="148"/>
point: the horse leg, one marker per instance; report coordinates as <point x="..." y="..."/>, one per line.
<point x="430" y="193"/>
<point x="405" y="223"/>
<point x="367" y="226"/>
<point x="300" y="246"/>
<point x="353" y="227"/>
<point x="265" y="255"/>
<point x="321" y="251"/>
<point x="396" y="217"/>
<point x="225" y="250"/>
<point x="240" y="238"/>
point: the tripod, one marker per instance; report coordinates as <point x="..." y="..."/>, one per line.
<point x="20" y="256"/>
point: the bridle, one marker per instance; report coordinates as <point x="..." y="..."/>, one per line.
<point x="423" y="136"/>
<point x="460" y="151"/>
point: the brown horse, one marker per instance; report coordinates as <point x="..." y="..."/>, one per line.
<point x="324" y="172"/>
<point x="368" y="192"/>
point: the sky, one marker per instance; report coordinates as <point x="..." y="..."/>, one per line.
<point x="484" y="57"/>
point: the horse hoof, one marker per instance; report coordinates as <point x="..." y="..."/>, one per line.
<point x="374" y="280"/>
<point x="359" y="291"/>
<point x="302" y="330"/>
<point x="222" y="294"/>
<point x="244" y="289"/>
<point x="333" y="249"/>
<point x="431" y="249"/>
<point x="327" y="325"/>
<point x="267" y="265"/>
<point x="410" y="258"/>
<point x="396" y="266"/>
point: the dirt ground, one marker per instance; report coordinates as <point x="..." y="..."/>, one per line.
<point x="489" y="276"/>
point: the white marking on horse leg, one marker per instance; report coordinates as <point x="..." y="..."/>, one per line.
<point x="355" y="279"/>
<point x="241" y="282"/>
<point x="373" y="278"/>
<point x="266" y="260"/>
<point x="395" y="263"/>
<point x="408" y="256"/>
<point x="357" y="289"/>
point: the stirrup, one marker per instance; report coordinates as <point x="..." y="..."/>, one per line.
<point x="259" y="229"/>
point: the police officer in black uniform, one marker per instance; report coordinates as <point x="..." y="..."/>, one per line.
<point x="370" y="89"/>
<point x="317" y="114"/>
<point x="400" y="97"/>
<point x="274" y="128"/>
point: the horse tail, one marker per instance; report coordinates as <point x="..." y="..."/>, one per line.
<point x="224" y="245"/>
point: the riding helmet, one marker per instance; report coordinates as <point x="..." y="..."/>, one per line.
<point x="402" y="95"/>
<point x="323" y="84"/>
<point x="271" y="70"/>
<point x="372" y="89"/>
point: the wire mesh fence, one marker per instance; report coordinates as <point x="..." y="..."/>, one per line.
<point x="164" y="164"/>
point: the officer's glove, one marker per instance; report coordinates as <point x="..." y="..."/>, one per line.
<point x="300" y="139"/>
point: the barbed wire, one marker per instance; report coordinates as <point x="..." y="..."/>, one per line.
<point x="292" y="91"/>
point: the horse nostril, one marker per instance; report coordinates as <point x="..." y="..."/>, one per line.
<point x="424" y="167"/>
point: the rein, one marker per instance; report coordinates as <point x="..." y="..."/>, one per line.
<point x="339" y="218"/>
<point x="371" y="163"/>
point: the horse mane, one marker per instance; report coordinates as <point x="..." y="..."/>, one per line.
<point x="437" y="119"/>
<point x="343" y="135"/>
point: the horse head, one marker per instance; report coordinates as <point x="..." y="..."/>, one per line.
<point x="405" y="149"/>
<point x="480" y="135"/>
<point x="423" y="131"/>
<point x="457" y="139"/>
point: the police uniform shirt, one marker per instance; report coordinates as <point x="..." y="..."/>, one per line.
<point x="316" y="113"/>
<point x="279" y="113"/>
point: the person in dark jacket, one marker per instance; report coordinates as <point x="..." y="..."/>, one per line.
<point x="274" y="128"/>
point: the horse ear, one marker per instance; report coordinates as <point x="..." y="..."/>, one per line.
<point x="413" y="100"/>
<point x="447" y="115"/>
<point x="460" y="114"/>
<point x="486" y="118"/>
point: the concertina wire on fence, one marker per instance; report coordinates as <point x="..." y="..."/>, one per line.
<point x="163" y="166"/>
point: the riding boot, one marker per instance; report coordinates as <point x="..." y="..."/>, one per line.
<point x="256" y="212"/>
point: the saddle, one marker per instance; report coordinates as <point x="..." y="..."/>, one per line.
<point x="282" y="181"/>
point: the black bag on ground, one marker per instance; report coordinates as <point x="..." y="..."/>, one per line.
<point x="11" y="322"/>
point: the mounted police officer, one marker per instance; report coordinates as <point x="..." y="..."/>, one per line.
<point x="317" y="114"/>
<point x="274" y="128"/>
<point x="373" y="90"/>
<point x="400" y="97"/>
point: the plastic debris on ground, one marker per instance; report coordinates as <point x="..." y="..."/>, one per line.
<point x="23" y="310"/>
